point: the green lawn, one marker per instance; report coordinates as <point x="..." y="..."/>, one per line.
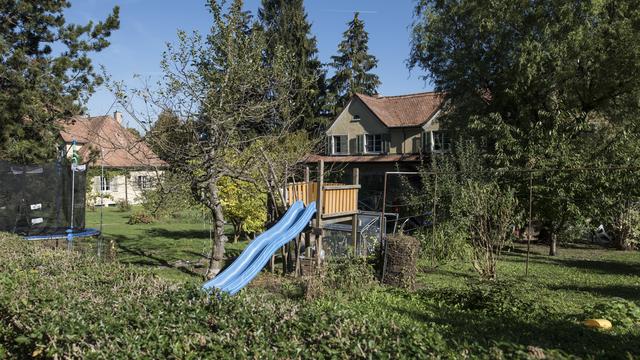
<point x="174" y="248"/>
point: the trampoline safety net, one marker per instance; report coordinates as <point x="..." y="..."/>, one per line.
<point x="36" y="199"/>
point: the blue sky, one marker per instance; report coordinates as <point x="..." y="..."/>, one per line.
<point x="147" y="25"/>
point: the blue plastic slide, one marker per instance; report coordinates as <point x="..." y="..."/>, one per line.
<point x="259" y="262"/>
<point x="254" y="248"/>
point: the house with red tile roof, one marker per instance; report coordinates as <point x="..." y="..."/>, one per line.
<point x="391" y="129"/>
<point x="384" y="133"/>
<point x="104" y="141"/>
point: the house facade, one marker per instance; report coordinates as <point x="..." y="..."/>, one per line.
<point x="131" y="167"/>
<point x="384" y="133"/>
<point x="387" y="129"/>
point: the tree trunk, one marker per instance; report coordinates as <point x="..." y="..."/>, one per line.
<point x="553" y="251"/>
<point x="219" y="239"/>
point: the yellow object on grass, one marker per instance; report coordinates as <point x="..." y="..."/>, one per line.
<point x="598" y="324"/>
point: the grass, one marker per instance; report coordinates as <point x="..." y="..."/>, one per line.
<point x="519" y="312"/>
<point x="176" y="249"/>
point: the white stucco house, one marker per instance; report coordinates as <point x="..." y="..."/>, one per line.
<point x="130" y="164"/>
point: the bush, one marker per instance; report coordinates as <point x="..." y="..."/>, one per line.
<point x="489" y="212"/>
<point x="140" y="217"/>
<point x="123" y="205"/>
<point x="56" y="304"/>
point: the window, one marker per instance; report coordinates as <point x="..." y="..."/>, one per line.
<point x="441" y="141"/>
<point x="105" y="183"/>
<point x="436" y="141"/>
<point x="340" y="144"/>
<point x="144" y="182"/>
<point x="355" y="118"/>
<point x="373" y="143"/>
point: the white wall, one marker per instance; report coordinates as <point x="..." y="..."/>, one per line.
<point x="118" y="191"/>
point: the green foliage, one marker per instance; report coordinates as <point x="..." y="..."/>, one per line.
<point x="244" y="205"/>
<point x="140" y="217"/>
<point x="352" y="66"/>
<point x="489" y="212"/>
<point x="623" y="314"/>
<point x="286" y="26"/>
<point x="46" y="74"/>
<point x="544" y="85"/>
<point x="450" y="243"/>
<point x="123" y="205"/>
<point x="171" y="197"/>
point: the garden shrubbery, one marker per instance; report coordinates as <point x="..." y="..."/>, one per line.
<point x="59" y="304"/>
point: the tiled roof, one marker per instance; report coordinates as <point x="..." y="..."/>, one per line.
<point x="404" y="110"/>
<point x="120" y="148"/>
<point x="363" y="158"/>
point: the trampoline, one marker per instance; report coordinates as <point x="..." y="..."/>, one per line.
<point x="44" y="201"/>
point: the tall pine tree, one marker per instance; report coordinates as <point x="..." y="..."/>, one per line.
<point x="286" y="25"/>
<point x="45" y="73"/>
<point x="353" y="66"/>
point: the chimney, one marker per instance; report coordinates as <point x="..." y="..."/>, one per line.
<point x="118" y="116"/>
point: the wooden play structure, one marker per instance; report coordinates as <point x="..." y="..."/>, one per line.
<point x="335" y="202"/>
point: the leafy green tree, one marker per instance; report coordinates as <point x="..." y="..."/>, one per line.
<point x="45" y="73"/>
<point x="285" y="24"/>
<point x="216" y="90"/>
<point x="533" y="80"/>
<point x="353" y="66"/>
<point x="244" y="205"/>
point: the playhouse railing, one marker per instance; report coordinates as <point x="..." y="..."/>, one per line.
<point x="337" y="199"/>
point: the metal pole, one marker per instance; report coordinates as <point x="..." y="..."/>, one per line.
<point x="384" y="208"/>
<point x="101" y="189"/>
<point x="530" y="229"/>
<point x="433" y="223"/>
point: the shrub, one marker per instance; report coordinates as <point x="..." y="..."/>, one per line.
<point x="55" y="304"/>
<point x="123" y="205"/>
<point x="140" y="217"/>
<point x="489" y="212"/>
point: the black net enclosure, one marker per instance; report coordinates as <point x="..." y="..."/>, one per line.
<point x="37" y="199"/>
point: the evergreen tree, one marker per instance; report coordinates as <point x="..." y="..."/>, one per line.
<point x="45" y="73"/>
<point x="353" y="65"/>
<point x="286" y="25"/>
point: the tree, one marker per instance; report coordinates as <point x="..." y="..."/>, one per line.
<point x="286" y="26"/>
<point x="353" y="65"/>
<point x="533" y="80"/>
<point x="219" y="91"/>
<point x="244" y="205"/>
<point x="45" y="73"/>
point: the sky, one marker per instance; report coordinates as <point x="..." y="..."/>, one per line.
<point x="147" y="25"/>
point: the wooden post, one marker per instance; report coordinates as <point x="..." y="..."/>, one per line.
<point x="319" y="210"/>
<point x="307" y="185"/>
<point x="126" y="190"/>
<point x="354" y="220"/>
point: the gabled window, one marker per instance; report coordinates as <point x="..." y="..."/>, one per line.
<point x="339" y="145"/>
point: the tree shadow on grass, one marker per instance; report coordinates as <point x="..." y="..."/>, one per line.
<point x="178" y="234"/>
<point x="147" y="259"/>
<point x="627" y="292"/>
<point x="476" y="328"/>
<point x="611" y="267"/>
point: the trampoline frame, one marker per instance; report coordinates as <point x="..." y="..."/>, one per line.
<point x="87" y="232"/>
